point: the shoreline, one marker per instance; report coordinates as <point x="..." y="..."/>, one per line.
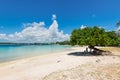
<point x="38" y="67"/>
<point x="35" y="56"/>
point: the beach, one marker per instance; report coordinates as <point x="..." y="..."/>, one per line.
<point x="65" y="65"/>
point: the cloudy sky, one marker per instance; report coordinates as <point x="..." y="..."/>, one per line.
<point x="32" y="20"/>
<point x="37" y="32"/>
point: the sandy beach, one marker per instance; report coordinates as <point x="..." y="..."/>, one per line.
<point x="65" y="65"/>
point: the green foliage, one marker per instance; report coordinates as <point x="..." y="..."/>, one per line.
<point x="95" y="36"/>
<point x="63" y="43"/>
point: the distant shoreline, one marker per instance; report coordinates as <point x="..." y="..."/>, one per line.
<point x="11" y="43"/>
<point x="26" y="43"/>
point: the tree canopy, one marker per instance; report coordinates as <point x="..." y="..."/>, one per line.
<point x="94" y="36"/>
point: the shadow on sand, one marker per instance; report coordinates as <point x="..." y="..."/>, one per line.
<point x="80" y="54"/>
<point x="89" y="54"/>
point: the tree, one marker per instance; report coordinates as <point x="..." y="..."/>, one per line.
<point x="95" y="36"/>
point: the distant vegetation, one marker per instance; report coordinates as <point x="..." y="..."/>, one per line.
<point x="94" y="36"/>
<point x="10" y="43"/>
<point x="63" y="43"/>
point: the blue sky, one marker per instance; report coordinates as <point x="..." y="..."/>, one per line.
<point x="70" y="14"/>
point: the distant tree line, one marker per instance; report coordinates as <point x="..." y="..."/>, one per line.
<point x="94" y="36"/>
<point x="63" y="43"/>
<point x="10" y="43"/>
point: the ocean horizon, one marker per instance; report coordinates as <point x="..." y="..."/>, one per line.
<point x="13" y="52"/>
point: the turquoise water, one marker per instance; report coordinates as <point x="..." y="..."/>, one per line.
<point x="13" y="52"/>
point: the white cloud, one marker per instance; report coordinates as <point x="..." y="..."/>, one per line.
<point x="2" y="36"/>
<point x="118" y="30"/>
<point x="37" y="32"/>
<point x="82" y="27"/>
<point x="53" y="17"/>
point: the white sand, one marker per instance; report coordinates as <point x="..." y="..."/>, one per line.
<point x="38" y="67"/>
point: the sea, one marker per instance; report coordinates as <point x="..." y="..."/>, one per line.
<point x="14" y="52"/>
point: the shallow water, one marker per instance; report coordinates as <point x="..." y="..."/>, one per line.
<point x="13" y="52"/>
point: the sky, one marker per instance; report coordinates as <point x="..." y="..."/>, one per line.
<point x="15" y="15"/>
